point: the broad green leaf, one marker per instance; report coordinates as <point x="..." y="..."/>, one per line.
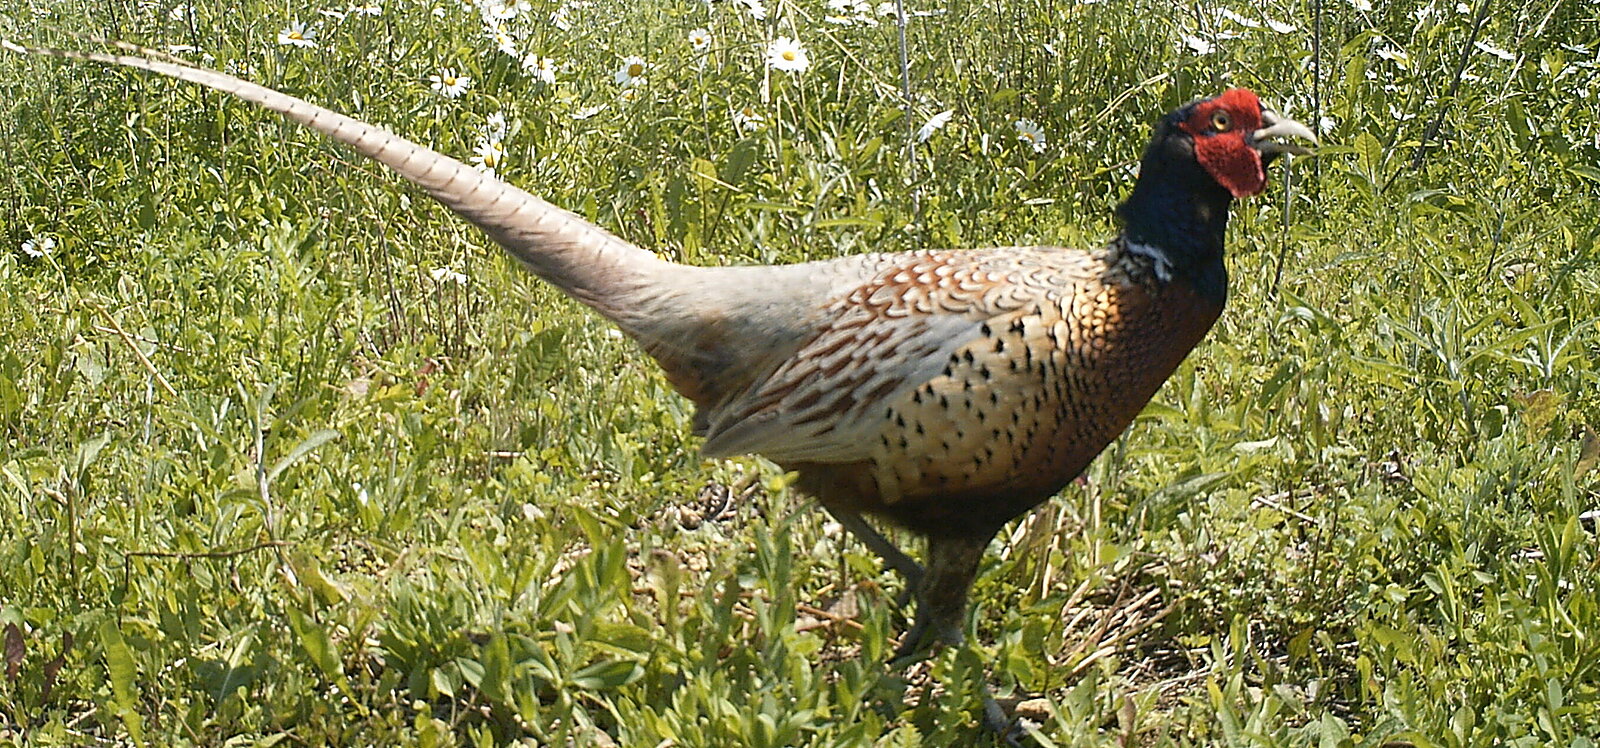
<point x="316" y="439"/>
<point x="122" y="672"/>
<point x="607" y="675"/>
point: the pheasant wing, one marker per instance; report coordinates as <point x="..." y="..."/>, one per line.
<point x="886" y="338"/>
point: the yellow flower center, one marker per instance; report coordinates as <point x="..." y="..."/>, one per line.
<point x="635" y="70"/>
<point x="296" y="35"/>
<point x="788" y="55"/>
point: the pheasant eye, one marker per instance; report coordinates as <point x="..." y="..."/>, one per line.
<point x="1220" y="121"/>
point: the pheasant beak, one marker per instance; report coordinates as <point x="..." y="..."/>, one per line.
<point x="1265" y="139"/>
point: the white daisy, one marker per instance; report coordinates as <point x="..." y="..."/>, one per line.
<point x="238" y="69"/>
<point x="180" y="12"/>
<point x="1395" y="55"/>
<point x="1030" y="133"/>
<point x="1280" y="26"/>
<point x="1249" y="23"/>
<point x="757" y="9"/>
<point x="850" y="13"/>
<point x="746" y="118"/>
<point x="562" y="18"/>
<point x="337" y="15"/>
<point x="488" y="155"/>
<point x="541" y="68"/>
<point x="505" y="10"/>
<point x="180" y="49"/>
<point x="496" y="127"/>
<point x="1198" y="45"/>
<point x="700" y="39"/>
<point x="298" y="34"/>
<point x="38" y="248"/>
<point x="632" y="71"/>
<point x="366" y="9"/>
<point x="934" y="123"/>
<point x="503" y="40"/>
<point x="446" y="275"/>
<point x="1365" y="6"/>
<point x="449" y="84"/>
<point x="588" y="111"/>
<point x="788" y="55"/>
<point x="1496" y="51"/>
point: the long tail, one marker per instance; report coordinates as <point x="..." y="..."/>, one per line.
<point x="586" y="261"/>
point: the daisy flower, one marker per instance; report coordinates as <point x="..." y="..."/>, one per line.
<point x="503" y="40"/>
<point x="787" y="55"/>
<point x="747" y="118"/>
<point x="1488" y="48"/>
<point x="632" y="71"/>
<point x="541" y="68"/>
<point x="1229" y="15"/>
<point x="1030" y="133"/>
<point x="562" y="18"/>
<point x="446" y="275"/>
<point x="366" y="9"/>
<point x="850" y="12"/>
<point x="700" y="39"/>
<point x="38" y="248"/>
<point x="757" y="9"/>
<point x="239" y="69"/>
<point x="934" y="123"/>
<point x="505" y="10"/>
<point x="1198" y="45"/>
<point x="337" y="15"/>
<point x="1396" y="55"/>
<point x="488" y="155"/>
<point x="1280" y="26"/>
<point x="588" y="111"/>
<point x="449" y="84"/>
<point x="496" y="127"/>
<point x="297" y="34"/>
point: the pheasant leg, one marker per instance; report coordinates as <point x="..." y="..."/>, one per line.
<point x="892" y="557"/>
<point x="942" y="595"/>
<point x="941" y="603"/>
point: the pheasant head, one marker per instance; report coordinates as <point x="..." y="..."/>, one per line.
<point x="1202" y="157"/>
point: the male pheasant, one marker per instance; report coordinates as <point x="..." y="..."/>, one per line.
<point x="948" y="391"/>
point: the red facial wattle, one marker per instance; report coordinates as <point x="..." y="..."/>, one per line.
<point x="1226" y="153"/>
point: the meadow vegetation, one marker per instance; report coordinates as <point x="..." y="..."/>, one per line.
<point x="289" y="455"/>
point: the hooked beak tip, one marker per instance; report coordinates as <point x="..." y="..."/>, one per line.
<point x="1276" y="126"/>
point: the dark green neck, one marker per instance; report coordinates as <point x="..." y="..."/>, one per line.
<point x="1181" y="213"/>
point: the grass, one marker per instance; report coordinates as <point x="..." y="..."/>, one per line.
<point x="265" y="479"/>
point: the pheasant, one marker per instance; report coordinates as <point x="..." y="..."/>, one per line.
<point x="947" y="391"/>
